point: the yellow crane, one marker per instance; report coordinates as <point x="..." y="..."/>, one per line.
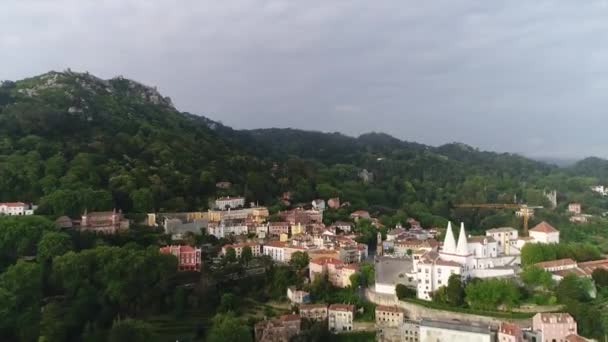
<point x="525" y="210"/>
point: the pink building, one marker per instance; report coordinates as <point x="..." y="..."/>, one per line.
<point x="189" y="258"/>
<point x="554" y="326"/>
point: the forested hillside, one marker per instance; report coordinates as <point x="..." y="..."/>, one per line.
<point x="72" y="141"/>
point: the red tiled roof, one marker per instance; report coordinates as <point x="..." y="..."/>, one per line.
<point x="289" y="317"/>
<point x="325" y="261"/>
<point x="511" y="329"/>
<point x="575" y="338"/>
<point x="13" y="204"/>
<point x="342" y="307"/>
<point x="276" y="244"/>
<point x="555" y="263"/>
<point x="544" y="227"/>
<point x="359" y="213"/>
<point x="561" y="317"/>
<point x="278" y="224"/>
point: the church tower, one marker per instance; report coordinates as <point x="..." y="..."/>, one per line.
<point x="379" y="247"/>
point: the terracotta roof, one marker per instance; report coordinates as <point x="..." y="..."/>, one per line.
<point x="342" y="307"/>
<point x="559" y="317"/>
<point x="589" y="266"/>
<point x="180" y="248"/>
<point x="389" y="308"/>
<point x="289" y="317"/>
<point x="575" y="338"/>
<point x="276" y="244"/>
<point x="556" y="263"/>
<point x="278" y="224"/>
<point x="511" y="329"/>
<point x="325" y="261"/>
<point x="13" y="204"/>
<point x="312" y="306"/>
<point x="360" y="213"/>
<point x="544" y="227"/>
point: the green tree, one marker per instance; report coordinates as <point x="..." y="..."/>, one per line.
<point x="143" y="200"/>
<point x="53" y="244"/>
<point x="230" y="254"/>
<point x="571" y="289"/>
<point x="534" y="276"/>
<point x="299" y="260"/>
<point x="600" y="276"/>
<point x="404" y="292"/>
<point x="131" y="330"/>
<point x="246" y="255"/>
<point x="491" y="294"/>
<point x="455" y="290"/>
<point x="228" y="328"/>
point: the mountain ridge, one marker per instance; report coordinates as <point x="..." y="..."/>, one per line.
<point x="74" y="141"/>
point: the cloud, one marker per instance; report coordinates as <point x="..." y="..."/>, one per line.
<point x="493" y="74"/>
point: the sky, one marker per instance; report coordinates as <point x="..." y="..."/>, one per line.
<point x="516" y="76"/>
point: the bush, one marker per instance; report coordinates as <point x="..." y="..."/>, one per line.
<point x="404" y="292"/>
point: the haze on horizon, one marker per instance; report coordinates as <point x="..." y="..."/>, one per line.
<point x="517" y="76"/>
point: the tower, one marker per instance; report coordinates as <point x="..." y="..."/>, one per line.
<point x="462" y="248"/>
<point x="379" y="247"/>
<point x="449" y="244"/>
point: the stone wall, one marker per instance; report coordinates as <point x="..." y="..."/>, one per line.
<point x="416" y="311"/>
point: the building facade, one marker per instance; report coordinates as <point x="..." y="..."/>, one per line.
<point x="225" y="203"/>
<point x="314" y="312"/>
<point x="16" y="209"/>
<point x="188" y="258"/>
<point x="389" y="316"/>
<point x="451" y="331"/>
<point x="340" y="317"/>
<point x="554" y="326"/>
<point x="107" y="222"/>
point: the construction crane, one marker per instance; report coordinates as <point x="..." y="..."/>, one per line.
<point x="525" y="210"/>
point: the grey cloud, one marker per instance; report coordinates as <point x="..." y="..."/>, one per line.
<point x="520" y="76"/>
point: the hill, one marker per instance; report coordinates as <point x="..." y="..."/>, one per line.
<point x="73" y="141"/>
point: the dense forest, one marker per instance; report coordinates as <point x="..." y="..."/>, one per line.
<point x="72" y="141"/>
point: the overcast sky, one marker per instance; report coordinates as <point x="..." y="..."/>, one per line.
<point x="519" y="76"/>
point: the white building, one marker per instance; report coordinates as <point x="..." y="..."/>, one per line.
<point x="227" y="227"/>
<point x="16" y="209"/>
<point x="340" y="317"/>
<point x="600" y="189"/>
<point x="224" y="203"/>
<point x="297" y="296"/>
<point x="544" y="233"/>
<point x="318" y="204"/>
<point x="434" y="272"/>
<point x="472" y="257"/>
<point x="507" y="240"/>
<point x="256" y="249"/>
<point x="276" y="251"/>
<point x="454" y="331"/>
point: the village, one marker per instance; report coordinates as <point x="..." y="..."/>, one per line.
<point x="409" y="258"/>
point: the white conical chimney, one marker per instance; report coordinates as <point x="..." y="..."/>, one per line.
<point x="462" y="247"/>
<point x="449" y="244"/>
